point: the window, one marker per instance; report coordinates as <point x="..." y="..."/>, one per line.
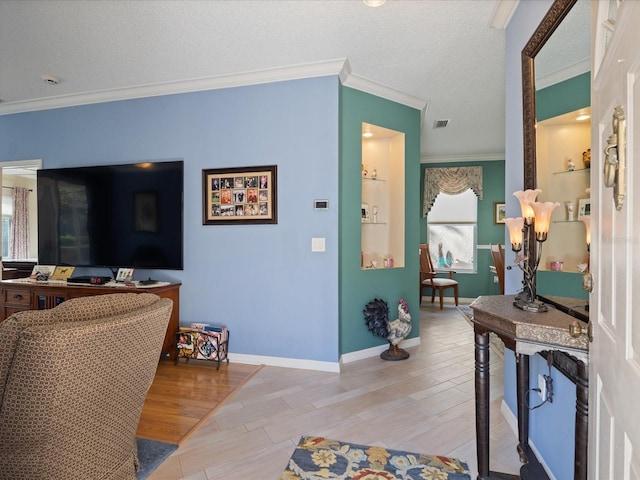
<point x="7" y="217"/>
<point x="451" y="231"/>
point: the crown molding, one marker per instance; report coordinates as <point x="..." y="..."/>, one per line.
<point x="365" y="85"/>
<point x="566" y="73"/>
<point x="339" y="67"/>
<point x="294" y="72"/>
<point x="491" y="157"/>
<point x="502" y="12"/>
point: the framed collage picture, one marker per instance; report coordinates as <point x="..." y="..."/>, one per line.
<point x="239" y="195"/>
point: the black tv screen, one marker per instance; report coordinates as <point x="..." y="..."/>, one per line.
<point x="112" y="216"/>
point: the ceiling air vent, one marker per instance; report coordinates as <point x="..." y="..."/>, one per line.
<point x="440" y="123"/>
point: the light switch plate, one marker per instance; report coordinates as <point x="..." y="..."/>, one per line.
<point x="318" y="244"/>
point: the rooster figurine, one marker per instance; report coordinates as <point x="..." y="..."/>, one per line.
<point x="376" y="315"/>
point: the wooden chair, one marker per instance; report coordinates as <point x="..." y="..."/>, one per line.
<point x="429" y="279"/>
<point x="497" y="253"/>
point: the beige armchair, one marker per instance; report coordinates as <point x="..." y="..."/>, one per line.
<point x="73" y="380"/>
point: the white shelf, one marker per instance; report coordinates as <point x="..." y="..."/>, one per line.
<point x="367" y="179"/>
<point x="577" y="170"/>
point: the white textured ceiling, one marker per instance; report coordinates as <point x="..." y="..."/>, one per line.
<point x="444" y="52"/>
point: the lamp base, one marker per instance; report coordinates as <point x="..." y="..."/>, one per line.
<point x="535" y="307"/>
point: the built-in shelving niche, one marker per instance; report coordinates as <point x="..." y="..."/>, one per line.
<point x="383" y="197"/>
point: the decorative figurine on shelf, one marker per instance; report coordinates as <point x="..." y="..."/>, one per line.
<point x="586" y="158"/>
<point x="571" y="166"/>
<point x="374" y="210"/>
<point x="376" y="315"/>
<point x="374" y="174"/>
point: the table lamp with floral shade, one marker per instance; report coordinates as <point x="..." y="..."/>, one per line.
<point x="536" y="217"/>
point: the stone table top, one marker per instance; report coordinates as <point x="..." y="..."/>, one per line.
<point x="547" y="330"/>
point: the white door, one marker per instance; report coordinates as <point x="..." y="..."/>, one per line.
<point x="614" y="370"/>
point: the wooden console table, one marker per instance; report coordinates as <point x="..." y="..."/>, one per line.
<point x="23" y="294"/>
<point x="528" y="333"/>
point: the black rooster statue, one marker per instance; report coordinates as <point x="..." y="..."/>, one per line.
<point x="376" y="315"/>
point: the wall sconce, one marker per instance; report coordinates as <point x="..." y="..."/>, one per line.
<point x="536" y="216"/>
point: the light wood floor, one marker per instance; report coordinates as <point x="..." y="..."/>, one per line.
<point x="185" y="395"/>
<point x="424" y="404"/>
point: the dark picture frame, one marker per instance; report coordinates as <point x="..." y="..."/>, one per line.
<point x="499" y="212"/>
<point x="145" y="212"/>
<point x="240" y="195"/>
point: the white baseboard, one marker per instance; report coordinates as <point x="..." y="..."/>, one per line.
<point x="375" y="351"/>
<point x="512" y="421"/>
<point x="314" y="364"/>
<point x="285" y="362"/>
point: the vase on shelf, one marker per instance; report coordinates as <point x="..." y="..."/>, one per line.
<point x="570" y="211"/>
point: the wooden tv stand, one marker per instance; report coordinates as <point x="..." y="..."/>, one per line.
<point x="18" y="295"/>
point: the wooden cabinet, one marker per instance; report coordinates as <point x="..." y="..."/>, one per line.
<point x="18" y="295"/>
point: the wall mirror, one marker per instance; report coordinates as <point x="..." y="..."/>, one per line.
<point x="22" y="174"/>
<point x="556" y="88"/>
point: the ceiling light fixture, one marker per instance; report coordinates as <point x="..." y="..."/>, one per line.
<point x="374" y="3"/>
<point x="580" y="118"/>
<point x="367" y="134"/>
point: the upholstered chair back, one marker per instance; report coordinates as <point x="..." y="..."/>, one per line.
<point x="73" y="380"/>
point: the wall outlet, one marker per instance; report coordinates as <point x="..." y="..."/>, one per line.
<point x="542" y="387"/>
<point x="545" y="387"/>
<point x="495" y="279"/>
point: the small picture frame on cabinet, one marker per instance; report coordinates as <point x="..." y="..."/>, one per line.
<point x="61" y="273"/>
<point x="124" y="274"/>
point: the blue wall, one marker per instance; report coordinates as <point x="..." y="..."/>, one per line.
<point x="277" y="297"/>
<point x="551" y="426"/>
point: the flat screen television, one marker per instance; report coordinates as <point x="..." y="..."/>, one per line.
<point x="112" y="216"/>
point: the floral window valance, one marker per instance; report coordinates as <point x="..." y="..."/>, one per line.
<point x="450" y="180"/>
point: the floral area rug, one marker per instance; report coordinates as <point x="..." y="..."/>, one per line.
<point x="317" y="458"/>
